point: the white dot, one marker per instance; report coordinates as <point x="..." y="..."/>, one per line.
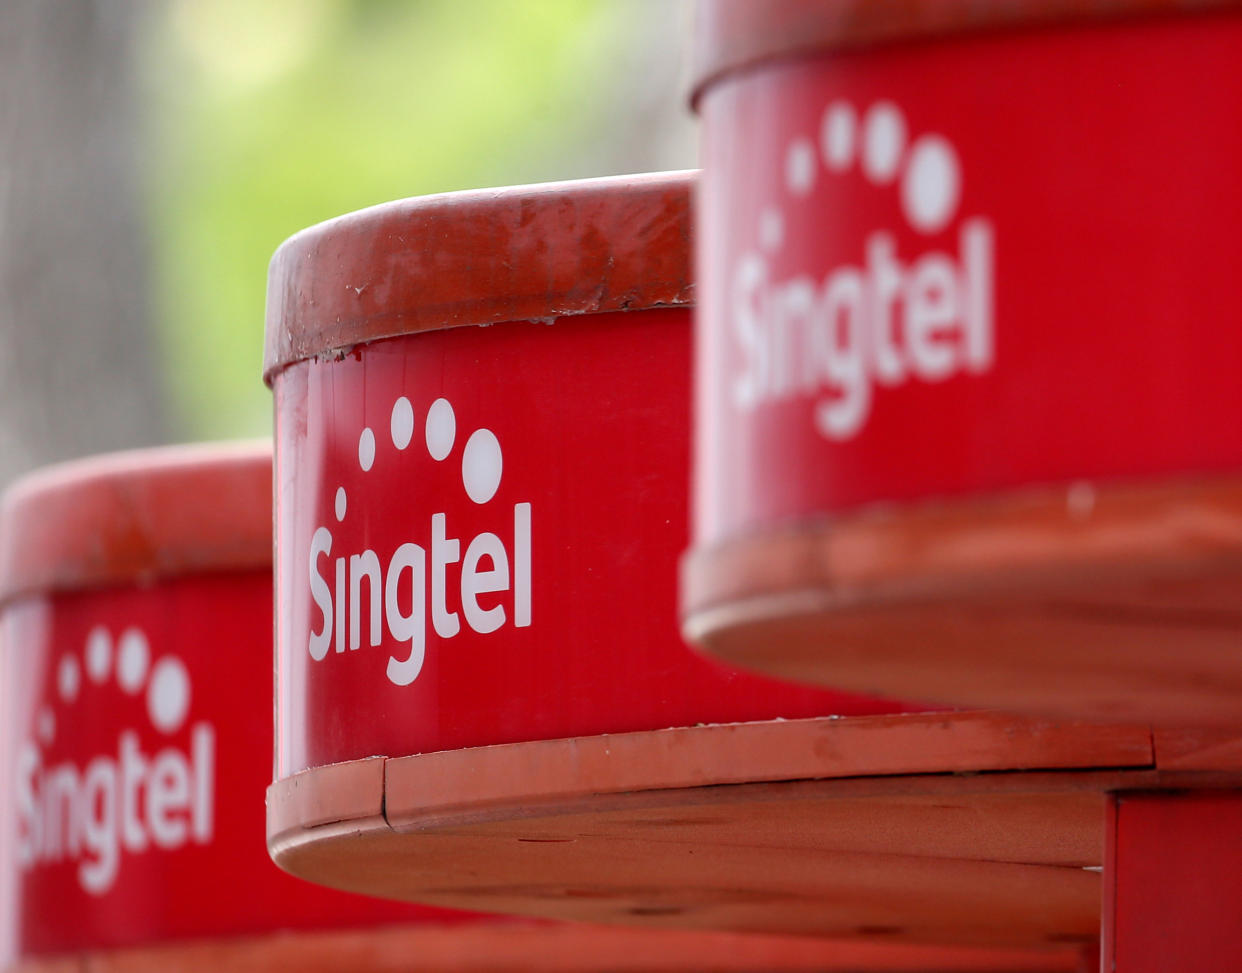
<point x="441" y="429"/>
<point x="402" y="424"/>
<point x="481" y="465"/>
<point x="341" y="503"/>
<point x="168" y="695"/>
<point x="800" y="167"/>
<point x="132" y="659"/>
<point x="68" y="678"/>
<point x="836" y="135"/>
<point x="366" y="449"/>
<point x="1080" y="500"/>
<point x="932" y="183"/>
<point x="46" y="726"/>
<point x="98" y="653"/>
<point x="884" y="139"/>
<point x="771" y="228"/>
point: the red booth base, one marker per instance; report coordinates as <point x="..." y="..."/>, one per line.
<point x="555" y="949"/>
<point x="967" y="828"/>
<point x="1103" y="603"/>
<point x="1173" y="882"/>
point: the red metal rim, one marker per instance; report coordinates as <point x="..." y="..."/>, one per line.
<point x="480" y="257"/>
<point x="137" y="516"/>
<point x="732" y="35"/>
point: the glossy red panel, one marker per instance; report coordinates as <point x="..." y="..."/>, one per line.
<point x="966" y="266"/>
<point x="1173" y="883"/>
<point x="478" y="532"/>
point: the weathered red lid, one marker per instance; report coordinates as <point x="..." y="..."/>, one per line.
<point x="137" y="516"/>
<point x="736" y="34"/>
<point x="480" y="257"/>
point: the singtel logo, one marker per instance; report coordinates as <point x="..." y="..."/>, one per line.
<point x="883" y="321"/>
<point x="125" y="800"/>
<point x="409" y="586"/>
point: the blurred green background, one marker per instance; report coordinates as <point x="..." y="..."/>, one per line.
<point x="154" y="153"/>
<point x="271" y="116"/>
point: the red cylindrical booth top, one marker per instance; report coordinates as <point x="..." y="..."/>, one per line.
<point x="736" y="35"/>
<point x="135" y="613"/>
<point x="482" y="445"/>
<point x="967" y="403"/>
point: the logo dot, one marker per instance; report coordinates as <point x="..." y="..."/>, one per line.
<point x="771" y="228"/>
<point x="340" y="503"/>
<point x="45" y="726"/>
<point x="1080" y="500"/>
<point x="931" y="184"/>
<point x="133" y="657"/>
<point x="168" y="695"/>
<point x="836" y="135"/>
<point x="98" y="653"/>
<point x="366" y="449"/>
<point x="68" y="678"/>
<point x="402" y="425"/>
<point x="481" y="465"/>
<point x="800" y="167"/>
<point x="884" y="139"/>
<point x="441" y="429"/>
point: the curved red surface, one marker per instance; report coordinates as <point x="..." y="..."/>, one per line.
<point x="480" y="257"/>
<point x="137" y="516"/>
<point x="134" y="808"/>
<point x="391" y="641"/>
<point x="736" y="35"/>
<point x="135" y="746"/>
<point x="1023" y="273"/>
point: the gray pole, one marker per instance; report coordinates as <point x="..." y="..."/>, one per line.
<point x="78" y="370"/>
